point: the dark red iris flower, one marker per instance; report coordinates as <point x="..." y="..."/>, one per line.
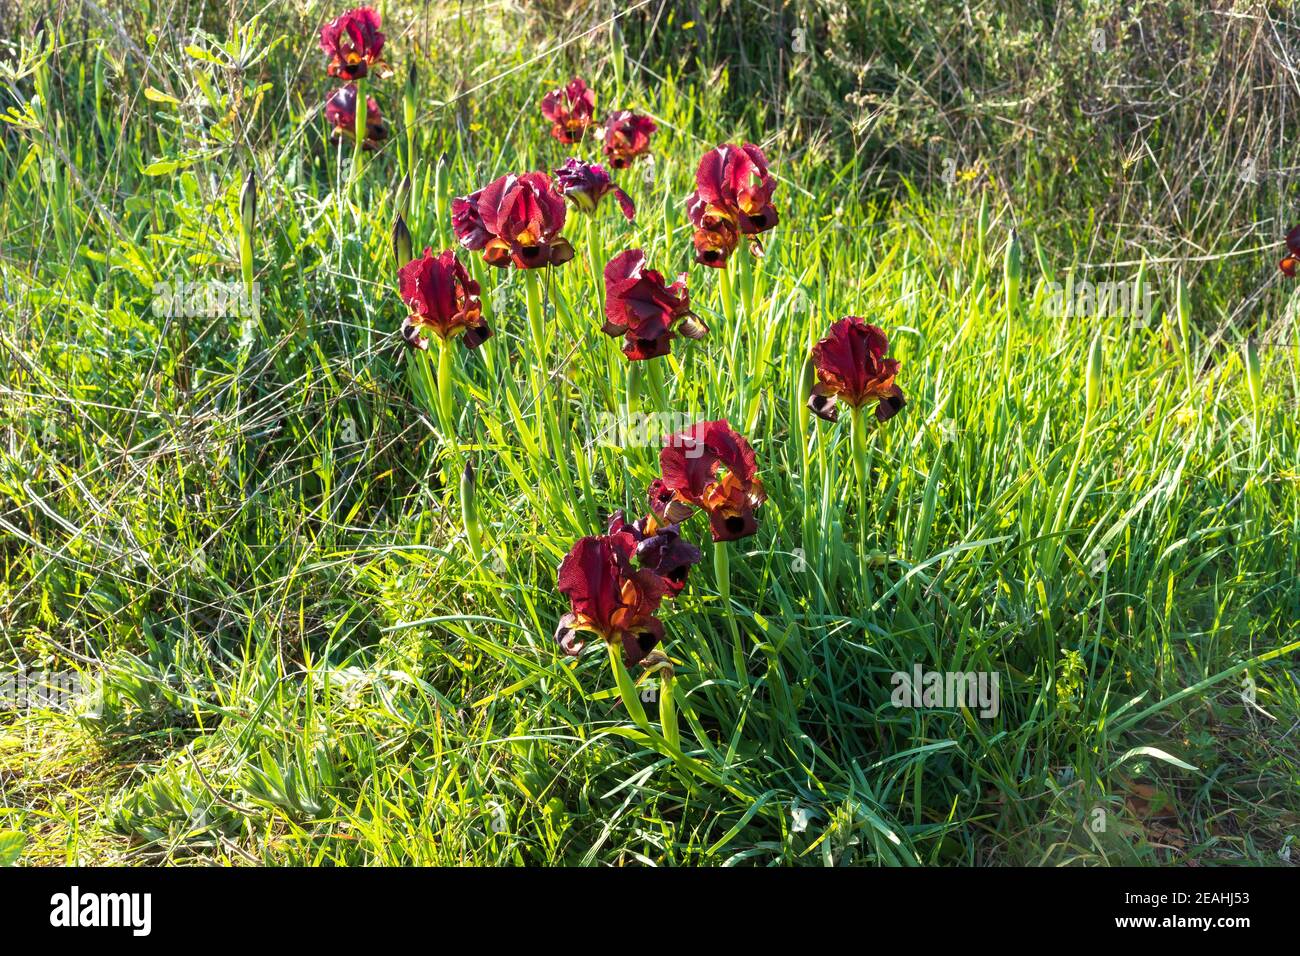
<point x="665" y="504"/>
<point x="659" y="548"/>
<point x="585" y="184"/>
<point x="644" y="310"/>
<point x="627" y="136"/>
<point x="353" y="44"/>
<point x="733" y="197"/>
<point x="851" y="366"/>
<point x="443" y="300"/>
<point x="609" y="597"/>
<point x="713" y="468"/>
<point x="341" y="111"/>
<point x="514" y="220"/>
<point x="467" y="224"/>
<point x="1292" y="260"/>
<point x="570" y="108"/>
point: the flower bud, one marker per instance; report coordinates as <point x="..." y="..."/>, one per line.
<point x="408" y="97"/>
<point x="1184" y="308"/>
<point x="248" y="204"/>
<point x="402" y="251"/>
<point x="469" y="511"/>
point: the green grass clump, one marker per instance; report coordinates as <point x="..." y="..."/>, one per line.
<point x="250" y="530"/>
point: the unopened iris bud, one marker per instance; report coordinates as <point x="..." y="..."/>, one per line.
<point x="247" y="223"/>
<point x="1184" y="308"/>
<point x="248" y="204"/>
<point x="402" y="251"/>
<point x="469" y="511"/>
<point x="402" y="201"/>
<point x="408" y="97"/>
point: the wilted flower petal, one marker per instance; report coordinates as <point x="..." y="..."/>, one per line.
<point x="659" y="548"/>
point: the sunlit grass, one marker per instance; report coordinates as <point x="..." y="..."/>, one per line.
<point x="256" y="524"/>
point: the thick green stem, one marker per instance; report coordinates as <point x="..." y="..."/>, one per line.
<point x="861" y="444"/>
<point x="359" y="131"/>
<point x="858" y="434"/>
<point x="537" y="329"/>
<point x="595" y="252"/>
<point x="728" y="297"/>
<point x="627" y="687"/>
<point x="722" y="571"/>
<point x="446" y="386"/>
<point x="668" y="711"/>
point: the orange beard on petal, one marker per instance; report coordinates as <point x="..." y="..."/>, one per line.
<point x="497" y="252"/>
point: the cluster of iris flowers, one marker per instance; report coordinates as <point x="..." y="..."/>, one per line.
<point x="709" y="468"/>
<point x="616" y="582"/>
<point x="353" y="44"/>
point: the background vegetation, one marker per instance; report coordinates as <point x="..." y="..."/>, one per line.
<point x="250" y="531"/>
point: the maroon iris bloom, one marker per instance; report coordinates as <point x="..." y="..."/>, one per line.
<point x="570" y="109"/>
<point x="353" y="43"/>
<point x="443" y="300"/>
<point x="341" y="111"/>
<point x="627" y="136"/>
<point x="851" y="366"/>
<point x="645" y="311"/>
<point x="659" y="548"/>
<point x="1292" y="260"/>
<point x="514" y="220"/>
<point x="610" y="598"/>
<point x="713" y="468"/>
<point x="587" y="183"/>
<point x="733" y="197"/>
<point x="467" y="224"/>
<point x="666" y="505"/>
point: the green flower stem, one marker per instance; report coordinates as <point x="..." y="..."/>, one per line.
<point x="595" y="252"/>
<point x="668" y="711"/>
<point x="359" y="131"/>
<point x="861" y="443"/>
<point x="747" y="282"/>
<point x="537" y="328"/>
<point x="627" y="687"/>
<point x="655" y="379"/>
<point x="469" y="515"/>
<point x="446" y="385"/>
<point x="722" y="571"/>
<point x="728" y="297"/>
